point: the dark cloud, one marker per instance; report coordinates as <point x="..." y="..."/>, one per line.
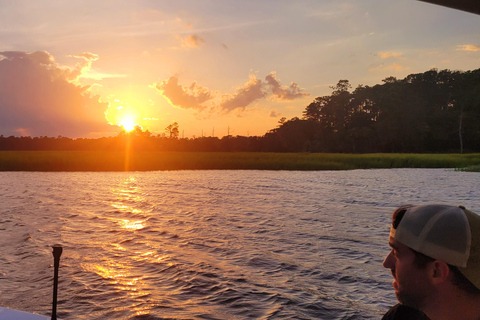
<point x="284" y="93"/>
<point x="37" y="98"/>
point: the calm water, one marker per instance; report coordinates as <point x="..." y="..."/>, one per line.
<point x="210" y="244"/>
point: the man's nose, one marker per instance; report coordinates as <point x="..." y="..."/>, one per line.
<point x="388" y="262"/>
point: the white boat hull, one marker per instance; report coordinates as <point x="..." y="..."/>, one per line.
<point x="10" y="314"/>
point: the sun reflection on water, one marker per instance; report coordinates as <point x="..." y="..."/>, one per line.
<point x="119" y="247"/>
<point x="119" y="264"/>
<point x="151" y="257"/>
<point x="127" y="209"/>
<point x="131" y="224"/>
<point x="128" y="200"/>
<point x="117" y="274"/>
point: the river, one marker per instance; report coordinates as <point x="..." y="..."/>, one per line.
<point x="210" y="244"/>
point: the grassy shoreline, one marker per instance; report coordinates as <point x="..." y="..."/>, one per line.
<point x="151" y="161"/>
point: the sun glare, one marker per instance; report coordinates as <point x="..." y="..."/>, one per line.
<point x="128" y="124"/>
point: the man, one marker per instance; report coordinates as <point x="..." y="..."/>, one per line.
<point x="435" y="261"/>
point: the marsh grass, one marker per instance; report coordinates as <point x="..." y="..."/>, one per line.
<point x="475" y="168"/>
<point x="148" y="161"/>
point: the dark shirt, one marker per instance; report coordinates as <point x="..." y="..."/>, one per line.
<point x="401" y="312"/>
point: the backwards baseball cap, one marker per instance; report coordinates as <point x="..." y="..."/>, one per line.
<point x="447" y="233"/>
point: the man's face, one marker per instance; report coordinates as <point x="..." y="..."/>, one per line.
<point x="410" y="282"/>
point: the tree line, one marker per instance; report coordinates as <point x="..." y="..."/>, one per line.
<point x="435" y="111"/>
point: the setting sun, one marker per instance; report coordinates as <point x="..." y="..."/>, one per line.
<point x="128" y="124"/>
<point x="127" y="115"/>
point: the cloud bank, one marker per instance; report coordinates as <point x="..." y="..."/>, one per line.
<point x="38" y="98"/>
<point x="200" y="98"/>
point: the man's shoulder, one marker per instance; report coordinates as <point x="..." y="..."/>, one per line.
<point x="400" y="312"/>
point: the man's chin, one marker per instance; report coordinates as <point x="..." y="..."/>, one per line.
<point x="407" y="300"/>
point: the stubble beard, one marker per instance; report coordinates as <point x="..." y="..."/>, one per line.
<point x="408" y="296"/>
<point x="409" y="299"/>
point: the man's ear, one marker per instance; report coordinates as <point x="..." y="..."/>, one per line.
<point x="439" y="271"/>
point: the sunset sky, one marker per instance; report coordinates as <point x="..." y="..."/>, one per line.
<point x="81" y="68"/>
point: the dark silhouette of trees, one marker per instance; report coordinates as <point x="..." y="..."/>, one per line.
<point x="426" y="112"/>
<point x="172" y="131"/>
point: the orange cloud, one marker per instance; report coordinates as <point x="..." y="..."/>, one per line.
<point x="192" y="41"/>
<point x="37" y="97"/>
<point x="386" y="55"/>
<point x="468" y="47"/>
<point x="284" y="93"/>
<point x="184" y="97"/>
<point x="251" y="91"/>
<point x="196" y="97"/>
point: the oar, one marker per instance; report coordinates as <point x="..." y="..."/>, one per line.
<point x="57" y="252"/>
